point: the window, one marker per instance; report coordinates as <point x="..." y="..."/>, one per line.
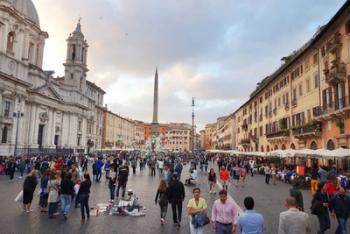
<point x="4" y="135"/>
<point x="307" y="85"/>
<point x="71" y="75"/>
<point x="347" y="27"/>
<point x="294" y="94"/>
<point x="315" y="59"/>
<point x="31" y="52"/>
<point x="261" y="131"/>
<point x="10" y="41"/>
<point x="307" y="65"/>
<point x="7" y="109"/>
<point x="316" y="80"/>
<point x="73" y="52"/>
<point x="300" y="90"/>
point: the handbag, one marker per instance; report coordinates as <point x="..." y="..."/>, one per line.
<point x="19" y="197"/>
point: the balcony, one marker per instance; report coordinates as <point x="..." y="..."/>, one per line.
<point x="334" y="45"/>
<point x="310" y="130"/>
<point x="254" y="138"/>
<point x="6" y="120"/>
<point x="337" y="73"/>
<point x="336" y="108"/>
<point x="280" y="136"/>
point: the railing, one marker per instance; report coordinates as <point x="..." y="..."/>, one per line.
<point x="245" y="141"/>
<point x="336" y="72"/>
<point x="283" y="133"/>
<point x="294" y="102"/>
<point x="312" y="129"/>
<point x="330" y="107"/>
<point x="44" y="152"/>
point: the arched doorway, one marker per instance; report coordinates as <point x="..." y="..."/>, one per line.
<point x="292" y="146"/>
<point x="268" y="148"/>
<point x="283" y="147"/>
<point x="262" y="148"/>
<point x="313" y="145"/>
<point x="330" y="145"/>
<point x="276" y="147"/>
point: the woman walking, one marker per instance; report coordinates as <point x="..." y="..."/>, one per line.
<point x="224" y="176"/>
<point x="162" y="199"/>
<point x="28" y="190"/>
<point x="196" y="207"/>
<point x="319" y="207"/>
<point x="84" y="192"/>
<point x="212" y="180"/>
<point x="43" y="190"/>
<point x="53" y="187"/>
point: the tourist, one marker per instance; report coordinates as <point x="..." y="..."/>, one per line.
<point x="122" y="180"/>
<point x="224" y="176"/>
<point x="107" y="168"/>
<point x="251" y="167"/>
<point x="53" y="187"/>
<point x="293" y="221"/>
<point x="11" y="168"/>
<point x="314" y="181"/>
<point x="224" y="214"/>
<point x="84" y="192"/>
<point x="179" y="168"/>
<point x="195" y="207"/>
<point x="250" y="221"/>
<point x="267" y="172"/>
<point x="66" y="193"/>
<point x="322" y="175"/>
<point x="133" y="165"/>
<point x="28" y="190"/>
<point x="296" y="193"/>
<point x="160" y="164"/>
<point x="242" y="177"/>
<point x="162" y="200"/>
<point x="212" y="180"/>
<point x="152" y="165"/>
<point x="236" y="174"/>
<point x="112" y="183"/>
<point x="44" y="195"/>
<point x="98" y="167"/>
<point x="339" y="207"/>
<point x="319" y="207"/>
<point x="21" y="167"/>
<point x="176" y="196"/>
<point x="274" y="174"/>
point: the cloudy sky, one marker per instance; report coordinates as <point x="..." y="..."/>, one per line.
<point x="213" y="50"/>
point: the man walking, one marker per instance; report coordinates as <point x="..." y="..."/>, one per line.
<point x="339" y="207"/>
<point x="293" y="220"/>
<point x="224" y="215"/>
<point x="176" y="195"/>
<point x="122" y="180"/>
<point x="250" y="221"/>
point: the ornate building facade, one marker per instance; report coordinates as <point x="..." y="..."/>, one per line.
<point x="39" y="111"/>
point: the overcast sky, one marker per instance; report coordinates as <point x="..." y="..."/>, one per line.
<point x="214" y="50"/>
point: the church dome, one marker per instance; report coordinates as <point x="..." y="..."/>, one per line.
<point x="27" y="8"/>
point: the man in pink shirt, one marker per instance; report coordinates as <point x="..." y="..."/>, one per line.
<point x="224" y="215"/>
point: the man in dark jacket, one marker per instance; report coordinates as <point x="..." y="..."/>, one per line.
<point x="339" y="206"/>
<point x="176" y="195"/>
<point x="122" y="180"/>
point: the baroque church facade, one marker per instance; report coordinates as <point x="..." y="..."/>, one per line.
<point x="38" y="111"/>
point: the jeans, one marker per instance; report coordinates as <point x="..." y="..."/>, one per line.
<point x="112" y="192"/>
<point x="194" y="230"/>
<point x="107" y="173"/>
<point x="153" y="172"/>
<point x="84" y="205"/>
<point x="163" y="211"/>
<point x="98" y="175"/>
<point x="66" y="200"/>
<point x="267" y="178"/>
<point x="205" y="167"/>
<point x="134" y="170"/>
<point x="341" y="226"/>
<point x="252" y="172"/>
<point x="177" y="211"/>
<point x="123" y="186"/>
<point x="324" y="221"/>
<point x="51" y="209"/>
<point x="43" y="199"/>
<point x="221" y="228"/>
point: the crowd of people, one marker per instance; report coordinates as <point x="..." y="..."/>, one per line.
<point x="65" y="182"/>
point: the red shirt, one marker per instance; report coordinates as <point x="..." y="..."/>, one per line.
<point x="331" y="189"/>
<point x="224" y="175"/>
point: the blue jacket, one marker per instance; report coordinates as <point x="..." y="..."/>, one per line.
<point x="340" y="205"/>
<point x="98" y="165"/>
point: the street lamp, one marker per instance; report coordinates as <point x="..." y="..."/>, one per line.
<point x="18" y="115"/>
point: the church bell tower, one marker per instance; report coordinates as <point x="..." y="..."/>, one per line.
<point x="75" y="64"/>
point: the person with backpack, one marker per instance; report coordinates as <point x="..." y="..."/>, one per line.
<point x="339" y="207"/>
<point x="178" y="169"/>
<point x="319" y="207"/>
<point x="162" y="200"/>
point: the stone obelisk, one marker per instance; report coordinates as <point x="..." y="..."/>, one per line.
<point x="155" y="124"/>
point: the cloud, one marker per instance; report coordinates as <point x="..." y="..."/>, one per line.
<point x="215" y="51"/>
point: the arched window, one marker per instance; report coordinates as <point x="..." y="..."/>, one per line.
<point x="276" y="147"/>
<point x="313" y="145"/>
<point x="292" y="146"/>
<point x="330" y="145"/>
<point x="268" y="148"/>
<point x="283" y="147"/>
<point x="4" y="135"/>
<point x="10" y="41"/>
<point x="262" y="149"/>
<point x="73" y="52"/>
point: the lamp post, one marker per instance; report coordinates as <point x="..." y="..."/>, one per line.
<point x="18" y="115"/>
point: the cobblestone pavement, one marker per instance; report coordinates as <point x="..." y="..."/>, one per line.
<point x="269" y="201"/>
